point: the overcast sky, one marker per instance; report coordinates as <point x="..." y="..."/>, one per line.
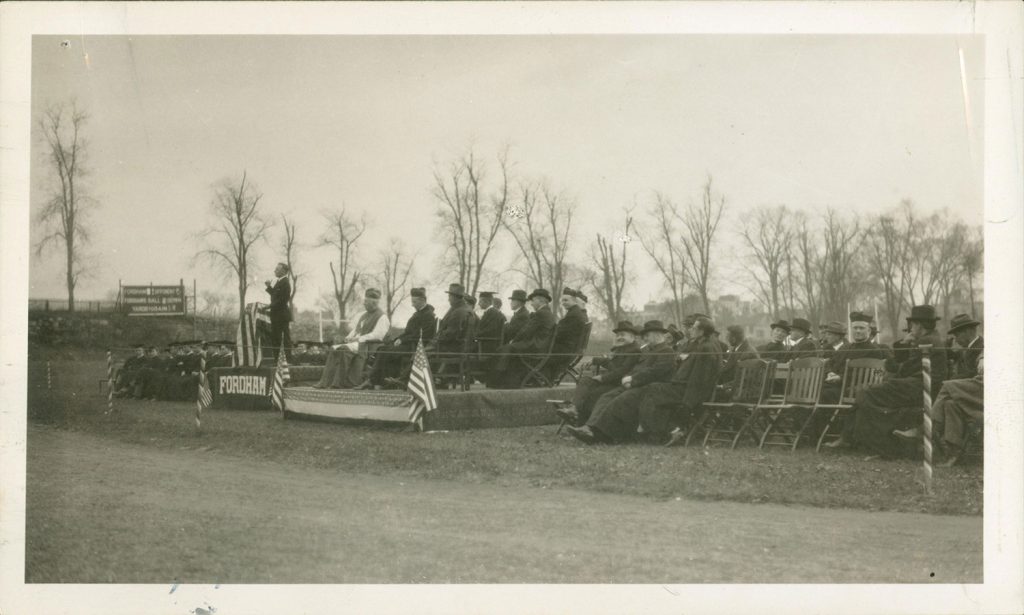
<point x="853" y="122"/>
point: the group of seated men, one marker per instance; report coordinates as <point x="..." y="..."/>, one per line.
<point x="490" y="341"/>
<point x="170" y="373"/>
<point x="656" y="389"/>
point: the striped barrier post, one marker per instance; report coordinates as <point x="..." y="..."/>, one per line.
<point x="110" y="382"/>
<point x="49" y="377"/>
<point x="926" y="385"/>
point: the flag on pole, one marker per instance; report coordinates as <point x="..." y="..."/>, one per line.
<point x="281" y="376"/>
<point x="204" y="398"/>
<point x="248" y="348"/>
<point x="421" y="385"/>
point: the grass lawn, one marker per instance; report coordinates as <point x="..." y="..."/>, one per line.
<point x="523" y="457"/>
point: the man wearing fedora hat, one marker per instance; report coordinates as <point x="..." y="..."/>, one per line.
<point x="624" y="356"/>
<point x="969" y="346"/>
<point x="452" y="330"/>
<point x="896" y="403"/>
<point x="801" y="344"/>
<point x="395" y="359"/>
<point x="531" y="341"/>
<point x="776" y="349"/>
<point x="345" y="363"/>
<point x="568" y="334"/>
<point x="520" y="315"/>
<point x="616" y="413"/>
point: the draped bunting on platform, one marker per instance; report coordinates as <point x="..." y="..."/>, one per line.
<point x="253" y="326"/>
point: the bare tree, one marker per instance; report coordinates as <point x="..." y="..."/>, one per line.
<point x="214" y="304"/>
<point x="288" y="246"/>
<point x="804" y="266"/>
<point x="541" y="232"/>
<point x="843" y="275"/>
<point x="238" y="225"/>
<point x="609" y="274"/>
<point x="661" y="243"/>
<point x="396" y="266"/>
<point x="342" y="234"/>
<point x="64" y="215"/>
<point x="768" y="234"/>
<point x="701" y="222"/>
<point x="471" y="213"/>
<point x="973" y="261"/>
<point x="887" y="247"/>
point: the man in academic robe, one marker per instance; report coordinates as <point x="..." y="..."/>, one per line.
<point x="393" y="360"/>
<point x="896" y="403"/>
<point x="969" y="346"/>
<point x="668" y="408"/>
<point x="801" y="344"/>
<point x="280" y="291"/>
<point x="738" y="349"/>
<point x="531" y="342"/>
<point x="345" y="363"/>
<point x="568" y="335"/>
<point x="616" y="414"/>
<point x="520" y="315"/>
<point x="624" y="356"/>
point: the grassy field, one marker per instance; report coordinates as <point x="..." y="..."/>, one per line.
<point x="524" y="457"/>
<point x="100" y="510"/>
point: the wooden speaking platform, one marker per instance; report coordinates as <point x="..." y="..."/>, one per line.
<point x="474" y="409"/>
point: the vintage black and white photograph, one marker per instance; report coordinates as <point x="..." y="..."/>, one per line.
<point x="483" y="308"/>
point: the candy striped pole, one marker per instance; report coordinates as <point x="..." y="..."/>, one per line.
<point x="926" y="385"/>
<point x="110" y="382"/>
<point x="49" y="378"/>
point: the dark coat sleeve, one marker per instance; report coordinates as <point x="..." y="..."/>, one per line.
<point x="911" y="367"/>
<point x="453" y="326"/>
<point x="491" y="324"/>
<point x="280" y="293"/>
<point x="570" y="330"/>
<point x="422" y="322"/>
<point x="536" y="335"/>
<point x="623" y="361"/>
<point x="699" y="372"/>
<point x="657" y="365"/>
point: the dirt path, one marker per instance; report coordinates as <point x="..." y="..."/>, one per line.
<point x="102" y="511"/>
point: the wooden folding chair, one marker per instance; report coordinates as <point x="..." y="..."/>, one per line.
<point x="581" y="347"/>
<point x="727" y="421"/>
<point x="785" y="422"/>
<point x="858" y="375"/>
<point x="536" y="364"/>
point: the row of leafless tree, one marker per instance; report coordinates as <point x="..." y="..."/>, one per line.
<point x="793" y="263"/>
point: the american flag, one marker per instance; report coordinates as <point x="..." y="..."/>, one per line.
<point x="281" y="376"/>
<point x="204" y="398"/>
<point x="421" y="385"/>
<point x="252" y="325"/>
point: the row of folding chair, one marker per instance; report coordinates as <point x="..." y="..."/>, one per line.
<point x="753" y="413"/>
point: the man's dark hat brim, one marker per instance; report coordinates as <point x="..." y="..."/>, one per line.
<point x="955" y="325"/>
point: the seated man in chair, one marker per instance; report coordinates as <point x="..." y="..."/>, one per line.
<point x="394" y="359"/>
<point x="532" y="342"/>
<point x="625" y="354"/>
<point x="345" y="363"/>
<point x="568" y="335"/>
